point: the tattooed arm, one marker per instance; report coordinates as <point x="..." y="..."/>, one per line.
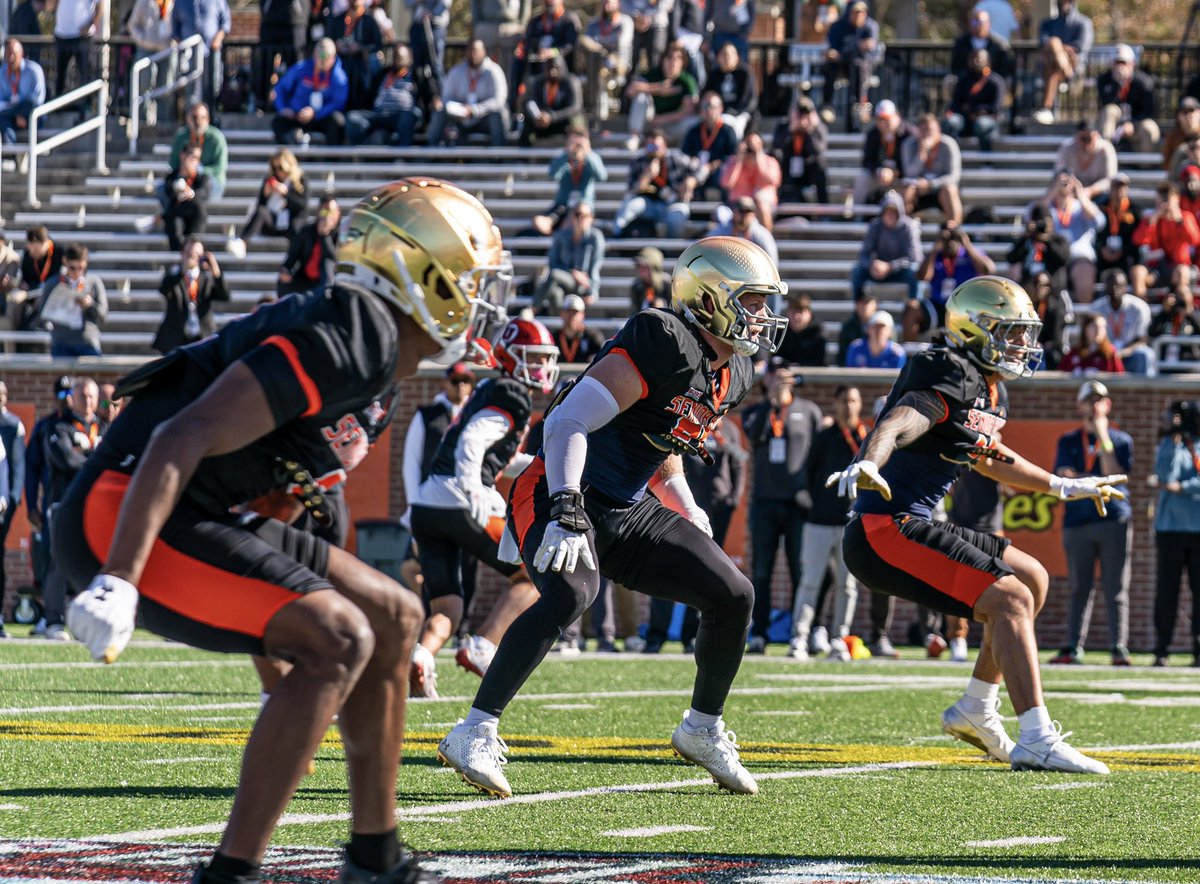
<point x="910" y="419"/>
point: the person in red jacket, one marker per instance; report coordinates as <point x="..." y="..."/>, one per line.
<point x="1168" y="229"/>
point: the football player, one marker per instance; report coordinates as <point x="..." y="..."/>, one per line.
<point x="286" y="399"/>
<point x="943" y="416"/>
<point x="459" y="511"/>
<point x="580" y="509"/>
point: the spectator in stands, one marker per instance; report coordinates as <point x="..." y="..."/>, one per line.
<point x="401" y="95"/>
<point x="931" y="166"/>
<point x="728" y="23"/>
<point x="853" y="52"/>
<point x="1117" y="249"/>
<point x="212" y="20"/>
<point x="708" y="144"/>
<point x="651" y="287"/>
<point x="499" y="24"/>
<point x="25" y="22"/>
<point x="877" y="349"/>
<point x="553" y="34"/>
<point x="1128" y="321"/>
<point x="1169" y="230"/>
<point x="1075" y="217"/>
<point x="953" y="260"/>
<point x="1004" y="22"/>
<point x="10" y="274"/>
<point x="474" y="99"/>
<point x="358" y="40"/>
<point x="280" y="206"/>
<point x="891" y="250"/>
<point x="1089" y="538"/>
<point x="198" y="131"/>
<point x="76" y="22"/>
<point x="427" y="32"/>
<point x="880" y="170"/>
<point x="666" y="95"/>
<point x="1056" y="311"/>
<point x="553" y="103"/>
<point x="855" y="325"/>
<point x="74" y="304"/>
<point x="1090" y="158"/>
<point x="1187" y="125"/>
<point x="109" y="408"/>
<point x="311" y="97"/>
<point x="152" y="31"/>
<point x="690" y="30"/>
<point x="1177" y="527"/>
<point x="656" y="180"/>
<point x="1178" y="318"/>
<point x="190" y="289"/>
<point x="577" y="170"/>
<point x="312" y="255"/>
<point x="573" y="265"/>
<point x="1066" y="41"/>
<point x="188" y="193"/>
<point x="22" y="88"/>
<point x="1187" y="174"/>
<point x="742" y="222"/>
<point x="609" y="40"/>
<point x="41" y="260"/>
<point x="282" y="35"/>
<point x="733" y="80"/>
<point x="980" y="36"/>
<point x="800" y="145"/>
<point x="1127" y="104"/>
<point x="12" y="438"/>
<point x="804" y="343"/>
<point x="1093" y="351"/>
<point x="754" y="173"/>
<point x="651" y="23"/>
<point x="979" y="98"/>
<point x="1038" y="248"/>
<point x="577" y="343"/>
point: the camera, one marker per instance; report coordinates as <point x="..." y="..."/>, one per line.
<point x="179" y="186"/>
<point x="1182" y="416"/>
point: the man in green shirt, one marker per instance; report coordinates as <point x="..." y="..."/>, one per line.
<point x="667" y="95"/>
<point x="214" y="152"/>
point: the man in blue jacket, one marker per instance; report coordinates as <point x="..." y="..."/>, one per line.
<point x="311" y="97"/>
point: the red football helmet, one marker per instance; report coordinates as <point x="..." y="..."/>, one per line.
<point x="517" y="343"/>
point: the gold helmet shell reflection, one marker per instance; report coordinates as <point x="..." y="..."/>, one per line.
<point x="993" y="321"/>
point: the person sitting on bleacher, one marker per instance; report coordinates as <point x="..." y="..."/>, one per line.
<point x="280" y="206"/>
<point x="739" y="220"/>
<point x="1117" y="250"/>
<point x="708" y="144"/>
<point x="576" y="343"/>
<point x="1178" y="317"/>
<point x="474" y="99"/>
<point x="880" y="170"/>
<point x="402" y="93"/>
<point x="729" y="22"/>
<point x="1066" y="41"/>
<point x="852" y="52"/>
<point x="553" y="103"/>
<point x="651" y="24"/>
<point x="1075" y="217"/>
<point x="1127" y="105"/>
<point x="1092" y="350"/>
<point x="1186" y="155"/>
<point x="1170" y="235"/>
<point x="1128" y="321"/>
<point x="804" y="343"/>
<point x="753" y="173"/>
<point x="877" y="349"/>
<point x="799" y="144"/>
<point x="73" y="305"/>
<point x="891" y="250"/>
<point x="953" y="260"/>
<point x="312" y="255"/>
<point x="979" y="36"/>
<point x="1188" y="179"/>
<point x="650" y="287"/>
<point x="1054" y="307"/>
<point x="610" y="39"/>
<point x="22" y="88"/>
<point x="311" y="97"/>
<point x="656" y="180"/>
<point x="665" y="95"/>
<point x="1090" y="158"/>
<point x="199" y="131"/>
<point x="577" y="170"/>
<point x="553" y="34"/>
<point x="573" y="265"/>
<point x="855" y="325"/>
<point x="1039" y="247"/>
<point x="931" y="166"/>
<point x="733" y="80"/>
<point x="188" y="192"/>
<point x="1187" y="125"/>
<point x="979" y="97"/>
<point x="358" y="38"/>
<point x="190" y="289"/>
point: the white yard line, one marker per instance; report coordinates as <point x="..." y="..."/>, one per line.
<point x="1018" y="841"/>
<point x="13" y="807"/>
<point x="133" y="664"/>
<point x="564" y="707"/>
<point x="1135" y="747"/>
<point x="652" y="831"/>
<point x="193" y="760"/>
<point x="1062" y="787"/>
<point x="124" y="707"/>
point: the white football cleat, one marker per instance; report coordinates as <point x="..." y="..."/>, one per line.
<point x="475" y="654"/>
<point x="477" y="753"/>
<point x="838" y="652"/>
<point x="103" y="617"/>
<point x="958" y="650"/>
<point x="798" y="649"/>
<point x="983" y="730"/>
<point x="715" y="751"/>
<point x="422" y="674"/>
<point x="818" y="641"/>
<point x="1055" y="754"/>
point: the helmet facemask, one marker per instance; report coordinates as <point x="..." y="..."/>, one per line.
<point x="541" y="376"/>
<point x="1011" y="347"/>
<point x="746" y="332"/>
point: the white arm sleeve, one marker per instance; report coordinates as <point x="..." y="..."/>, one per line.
<point x="517" y="465"/>
<point x="588" y="407"/>
<point x="414" y="447"/>
<point x="487" y="427"/>
<point x="676" y="494"/>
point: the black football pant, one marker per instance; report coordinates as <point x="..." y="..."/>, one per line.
<point x="1176" y="550"/>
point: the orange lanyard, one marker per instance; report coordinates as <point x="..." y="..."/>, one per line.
<point x="569" y="347"/>
<point x="707" y="140"/>
<point x="1064" y="215"/>
<point x="776" y="425"/>
<point x="44" y="270"/>
<point x="193" y="289"/>
<point x="1089" y="452"/>
<point x="551" y="93"/>
<point x="981" y="82"/>
<point x="854" y="441"/>
<point x="93" y="432"/>
<point x="162" y="9"/>
<point x="797" y="143"/>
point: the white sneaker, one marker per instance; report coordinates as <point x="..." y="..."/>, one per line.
<point x="838" y="651"/>
<point x="1055" y="754"/>
<point x="632" y="143"/>
<point x="422" y="674"/>
<point x="1044" y="116"/>
<point x="798" y="649"/>
<point x="144" y="223"/>
<point x="983" y="730"/>
<point x="236" y="246"/>
<point x="475" y="655"/>
<point x="715" y="751"/>
<point x="818" y="642"/>
<point x="477" y="753"/>
<point x="958" y="650"/>
<point x="635" y="644"/>
<point x="57" y="633"/>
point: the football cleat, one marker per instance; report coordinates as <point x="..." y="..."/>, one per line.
<point x="406" y="871"/>
<point x="798" y="649"/>
<point x="983" y="730"/>
<point x="477" y="753"/>
<point x="715" y="751"/>
<point x="818" y="642"/>
<point x="958" y="650"/>
<point x="422" y="674"/>
<point x="838" y="651"/>
<point x="1055" y="754"/>
<point x="935" y="646"/>
<point x="883" y="647"/>
<point x="1067" y="657"/>
<point x="475" y="654"/>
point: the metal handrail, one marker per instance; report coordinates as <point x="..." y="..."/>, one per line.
<point x="190" y="57"/>
<point x="97" y="123"/>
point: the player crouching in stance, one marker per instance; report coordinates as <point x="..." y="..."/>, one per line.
<point x="940" y="418"/>
<point x="458" y="509"/>
<point x="289" y="397"/>
<point x="580" y="509"/>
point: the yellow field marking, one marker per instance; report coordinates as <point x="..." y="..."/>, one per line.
<point x="579" y="748"/>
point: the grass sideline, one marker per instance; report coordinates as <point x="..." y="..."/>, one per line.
<point x="856" y="771"/>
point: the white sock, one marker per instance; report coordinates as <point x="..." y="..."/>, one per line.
<point x="1035" y="725"/>
<point x="478" y="717"/>
<point x="700" y="721"/>
<point x="980" y="696"/>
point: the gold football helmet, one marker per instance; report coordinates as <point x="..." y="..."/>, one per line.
<point x="431" y="250"/>
<point x="994" y="322"/>
<point x="710" y="278"/>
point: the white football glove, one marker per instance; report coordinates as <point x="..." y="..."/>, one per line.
<point x="562" y="550"/>
<point x="103" y="615"/>
<point x="860" y="474"/>
<point x="478" y="504"/>
<point x="1099" y="488"/>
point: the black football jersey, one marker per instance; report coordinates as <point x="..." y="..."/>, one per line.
<point x="503" y="396"/>
<point x="326" y="363"/>
<point x="682" y="397"/>
<point x="922" y="472"/>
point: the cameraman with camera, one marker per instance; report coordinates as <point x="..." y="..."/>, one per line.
<point x="1036" y="250"/>
<point x="656" y="181"/>
<point x="188" y="191"/>
<point x="952" y="261"/>
<point x="753" y="173"/>
<point x="190" y="290"/>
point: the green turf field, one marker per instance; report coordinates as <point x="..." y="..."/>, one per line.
<point x="858" y="783"/>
